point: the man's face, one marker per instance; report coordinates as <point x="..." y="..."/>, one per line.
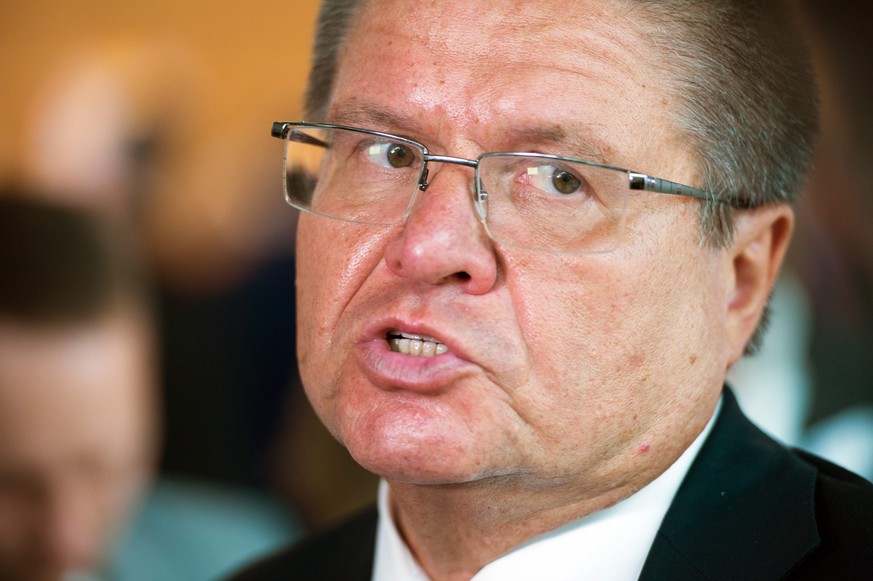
<point x="559" y="368"/>
<point x="74" y="442"/>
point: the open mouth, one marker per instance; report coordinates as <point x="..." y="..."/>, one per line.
<point x="415" y="345"/>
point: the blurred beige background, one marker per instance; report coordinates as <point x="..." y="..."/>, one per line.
<point x="200" y="81"/>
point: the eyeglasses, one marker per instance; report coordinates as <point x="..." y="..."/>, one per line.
<point x="529" y="200"/>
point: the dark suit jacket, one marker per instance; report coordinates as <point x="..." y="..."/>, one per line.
<point x="748" y="509"/>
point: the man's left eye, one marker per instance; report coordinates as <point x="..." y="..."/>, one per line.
<point x="565" y="182"/>
<point x="554" y="179"/>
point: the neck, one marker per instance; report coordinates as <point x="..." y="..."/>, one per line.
<point x="455" y="530"/>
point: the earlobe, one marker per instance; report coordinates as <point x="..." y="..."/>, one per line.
<point x="761" y="238"/>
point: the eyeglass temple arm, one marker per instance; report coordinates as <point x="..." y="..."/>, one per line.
<point x="647" y="183"/>
<point x="283" y="130"/>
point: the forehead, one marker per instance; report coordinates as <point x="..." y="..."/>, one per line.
<point x="502" y="68"/>
<point x="72" y="391"/>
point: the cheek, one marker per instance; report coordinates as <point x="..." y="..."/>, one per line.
<point x="612" y="334"/>
<point x="326" y="277"/>
<point x="573" y="315"/>
<point x="334" y="262"/>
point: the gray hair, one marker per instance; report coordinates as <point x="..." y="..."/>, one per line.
<point x="334" y="21"/>
<point x="742" y="78"/>
<point x="747" y="98"/>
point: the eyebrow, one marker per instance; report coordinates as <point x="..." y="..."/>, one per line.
<point x="368" y="117"/>
<point x="584" y="146"/>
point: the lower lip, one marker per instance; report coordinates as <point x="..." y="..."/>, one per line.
<point x="391" y="370"/>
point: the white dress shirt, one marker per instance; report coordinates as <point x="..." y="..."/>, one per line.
<point x="611" y="544"/>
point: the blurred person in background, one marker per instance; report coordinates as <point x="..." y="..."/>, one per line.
<point x="120" y="129"/>
<point x="77" y="401"/>
<point x="79" y="418"/>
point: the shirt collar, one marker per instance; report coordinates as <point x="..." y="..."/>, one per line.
<point x="610" y="544"/>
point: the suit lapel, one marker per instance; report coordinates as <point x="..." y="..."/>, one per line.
<point x="744" y="511"/>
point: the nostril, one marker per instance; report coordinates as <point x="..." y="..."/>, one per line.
<point x="464" y="276"/>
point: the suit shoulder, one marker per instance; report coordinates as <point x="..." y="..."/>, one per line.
<point x="844" y="516"/>
<point x="841" y="490"/>
<point x="343" y="552"/>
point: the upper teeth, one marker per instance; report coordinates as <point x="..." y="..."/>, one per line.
<point x="414" y="337"/>
<point x="419" y="345"/>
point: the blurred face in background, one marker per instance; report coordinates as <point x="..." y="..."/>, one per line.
<point x="76" y="441"/>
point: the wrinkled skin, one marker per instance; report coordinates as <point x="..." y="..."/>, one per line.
<point x="569" y="381"/>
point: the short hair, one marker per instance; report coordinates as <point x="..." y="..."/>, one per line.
<point x="60" y="265"/>
<point x="747" y="98"/>
<point x="742" y="78"/>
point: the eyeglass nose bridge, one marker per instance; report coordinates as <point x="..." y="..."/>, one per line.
<point x="480" y="195"/>
<point x="422" y="182"/>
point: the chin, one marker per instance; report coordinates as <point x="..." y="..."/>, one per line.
<point x="418" y="460"/>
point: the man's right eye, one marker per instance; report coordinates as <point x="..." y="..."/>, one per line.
<point x="391" y="155"/>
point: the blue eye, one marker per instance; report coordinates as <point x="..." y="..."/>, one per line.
<point x="392" y="155"/>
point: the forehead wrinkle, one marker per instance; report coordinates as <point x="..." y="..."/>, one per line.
<point x="549" y="28"/>
<point x="610" y="51"/>
<point x="607" y="31"/>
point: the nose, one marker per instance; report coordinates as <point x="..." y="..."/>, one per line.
<point x="442" y="241"/>
<point x="70" y="536"/>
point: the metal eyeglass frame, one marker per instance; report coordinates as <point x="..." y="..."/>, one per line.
<point x="636" y="180"/>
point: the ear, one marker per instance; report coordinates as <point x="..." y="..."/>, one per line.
<point x="761" y="238"/>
